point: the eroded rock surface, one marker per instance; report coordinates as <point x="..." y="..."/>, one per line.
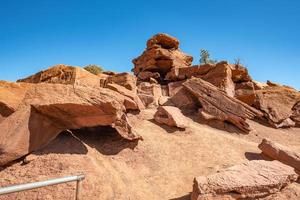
<point x="277" y="102"/>
<point x="250" y="180"/>
<point x="280" y="153"/>
<point x="216" y="104"/>
<point x="42" y="111"/>
<point x="171" y="116"/>
<point x="162" y="55"/>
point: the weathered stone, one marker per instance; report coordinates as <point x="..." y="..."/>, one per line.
<point x="127" y="93"/>
<point x="296" y="113"/>
<point x="245" y="92"/>
<point x="219" y="74"/>
<point x="277" y="103"/>
<point x="163" y="40"/>
<point x="185" y="100"/>
<point x="240" y="74"/>
<point x="179" y="74"/>
<point x="149" y="93"/>
<point x="145" y="76"/>
<point x="250" y="180"/>
<point x="280" y="153"/>
<point x="161" y="56"/>
<point x="43" y="110"/>
<point x="124" y="79"/>
<point x="64" y="74"/>
<point x="171" y="116"/>
<point x="174" y="87"/>
<point x="216" y="103"/>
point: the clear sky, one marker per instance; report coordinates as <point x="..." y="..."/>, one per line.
<point x="36" y="34"/>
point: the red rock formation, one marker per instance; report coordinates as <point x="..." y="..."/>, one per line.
<point x="280" y="153"/>
<point x="216" y="104"/>
<point x="277" y="102"/>
<point x="125" y="79"/>
<point x="64" y="74"/>
<point x="171" y="116"/>
<point x="250" y="180"/>
<point x="162" y="55"/>
<point x="296" y="113"/>
<point x="35" y="114"/>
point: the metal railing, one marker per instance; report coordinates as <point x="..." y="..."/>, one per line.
<point x="34" y="185"/>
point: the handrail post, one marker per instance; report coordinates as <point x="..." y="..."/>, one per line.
<point x="78" y="188"/>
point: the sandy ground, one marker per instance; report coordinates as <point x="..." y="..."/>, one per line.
<point x="162" y="166"/>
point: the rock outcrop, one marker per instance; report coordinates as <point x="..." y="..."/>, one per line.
<point x="296" y="113"/>
<point x="280" y="153"/>
<point x="64" y="74"/>
<point x="250" y="180"/>
<point x="34" y="114"/>
<point x="277" y="103"/>
<point x="171" y="116"/>
<point x="217" y="105"/>
<point x="161" y="55"/>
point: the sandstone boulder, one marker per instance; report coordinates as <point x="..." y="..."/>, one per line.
<point x="171" y="116"/>
<point x="250" y="180"/>
<point x="245" y="92"/>
<point x="280" y="153"/>
<point x="125" y="79"/>
<point x="216" y="104"/>
<point x="64" y="74"/>
<point x="149" y="93"/>
<point x="138" y="104"/>
<point x="163" y="40"/>
<point x="240" y="74"/>
<point x="277" y="103"/>
<point x="39" y="112"/>
<point x="162" y="55"/>
<point x="219" y="74"/>
<point x="296" y="113"/>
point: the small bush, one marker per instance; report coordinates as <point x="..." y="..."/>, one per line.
<point x="94" y="69"/>
<point x="205" y="57"/>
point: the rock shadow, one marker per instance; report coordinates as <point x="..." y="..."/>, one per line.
<point x="185" y="197"/>
<point x="256" y="156"/>
<point x="169" y="129"/>
<point x="64" y="143"/>
<point x="104" y="139"/>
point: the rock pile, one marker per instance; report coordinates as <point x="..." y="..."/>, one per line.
<point x="161" y="55"/>
<point x="60" y="98"/>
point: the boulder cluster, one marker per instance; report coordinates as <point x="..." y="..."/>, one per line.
<point x="36" y="109"/>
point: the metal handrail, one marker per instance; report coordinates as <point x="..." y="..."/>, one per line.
<point x="34" y="185"/>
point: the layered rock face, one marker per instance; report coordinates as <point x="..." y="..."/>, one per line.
<point x="161" y="55"/>
<point x="215" y="104"/>
<point x="250" y="180"/>
<point x="279" y="104"/>
<point x="34" y="114"/>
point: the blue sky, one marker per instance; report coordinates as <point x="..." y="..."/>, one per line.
<point x="36" y="34"/>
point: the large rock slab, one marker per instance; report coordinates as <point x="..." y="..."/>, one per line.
<point x="215" y="104"/>
<point x="277" y="102"/>
<point x="250" y="180"/>
<point x="219" y="74"/>
<point x="280" y="153"/>
<point x="64" y="74"/>
<point x="171" y="116"/>
<point x="43" y="110"/>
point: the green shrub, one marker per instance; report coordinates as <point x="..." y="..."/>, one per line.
<point x="205" y="57"/>
<point x="94" y="69"/>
